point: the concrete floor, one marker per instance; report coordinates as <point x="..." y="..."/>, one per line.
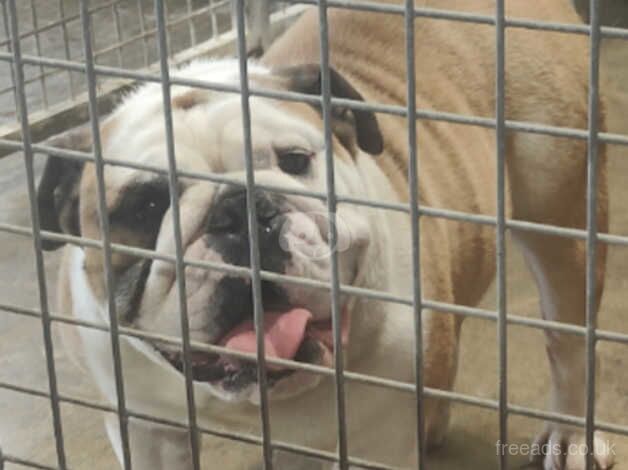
<point x="25" y="422"/>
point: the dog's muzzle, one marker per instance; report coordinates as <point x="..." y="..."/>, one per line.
<point x="228" y="229"/>
<point x="294" y="328"/>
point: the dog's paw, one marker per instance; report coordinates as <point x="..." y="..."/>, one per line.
<point x="561" y="448"/>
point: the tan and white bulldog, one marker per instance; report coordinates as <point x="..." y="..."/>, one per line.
<point x="546" y="82"/>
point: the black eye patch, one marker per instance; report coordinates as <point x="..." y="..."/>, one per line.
<point x="142" y="206"/>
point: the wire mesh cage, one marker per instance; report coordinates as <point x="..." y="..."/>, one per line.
<point x="70" y="63"/>
<point x="123" y="35"/>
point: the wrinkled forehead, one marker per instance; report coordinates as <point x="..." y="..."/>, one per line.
<point x="207" y="127"/>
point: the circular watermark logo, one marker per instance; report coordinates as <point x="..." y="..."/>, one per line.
<point x="308" y="234"/>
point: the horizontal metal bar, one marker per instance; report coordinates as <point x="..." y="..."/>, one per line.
<point x="216" y="432"/>
<point x="169" y="24"/>
<point x="582" y="29"/>
<point x="407" y="387"/>
<point x="33" y="80"/>
<point x="26" y="463"/>
<point x="448" y="214"/>
<point x="474" y="312"/>
<point x="61" y="21"/>
<point x="428" y="211"/>
<point x="519" y="126"/>
<point x="69" y="19"/>
<point x="457" y="397"/>
<point x="464" y="17"/>
<point x="345" y="289"/>
<point x="68" y="114"/>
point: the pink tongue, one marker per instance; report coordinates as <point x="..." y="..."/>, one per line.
<point x="283" y="334"/>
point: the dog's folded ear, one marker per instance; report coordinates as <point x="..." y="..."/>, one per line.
<point x="350" y="125"/>
<point x="612" y="12"/>
<point x="58" y="191"/>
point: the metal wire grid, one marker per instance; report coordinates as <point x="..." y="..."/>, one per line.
<point x="124" y="35"/>
<point x="132" y="46"/>
<point x="592" y="135"/>
<point x="500" y="238"/>
<point x="413" y="180"/>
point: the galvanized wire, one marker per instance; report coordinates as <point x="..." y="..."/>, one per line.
<point x="448" y="214"/>
<point x="449" y="15"/>
<point x="500" y="233"/>
<point x="456" y="397"/>
<point x="415" y="224"/>
<point x="511" y="125"/>
<point x="22" y="109"/>
<point x="62" y="22"/>
<point x="103" y="218"/>
<point x="42" y="76"/>
<point x="25" y="463"/>
<point x="591" y="245"/>
<point x="254" y="253"/>
<point x="66" y="46"/>
<point x="345" y="289"/>
<point x="5" y="23"/>
<point x="176" y="224"/>
<point x="414" y="209"/>
<point x="336" y="310"/>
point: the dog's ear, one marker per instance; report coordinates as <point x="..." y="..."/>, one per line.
<point x="58" y="191"/>
<point x="350" y="125"/>
<point x="611" y="12"/>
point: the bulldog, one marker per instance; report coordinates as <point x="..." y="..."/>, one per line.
<point x="546" y="82"/>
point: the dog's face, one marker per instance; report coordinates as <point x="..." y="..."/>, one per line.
<point x="288" y="152"/>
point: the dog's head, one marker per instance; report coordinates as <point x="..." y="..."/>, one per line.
<point x="288" y="152"/>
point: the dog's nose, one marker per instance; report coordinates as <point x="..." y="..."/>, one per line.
<point x="228" y="215"/>
<point x="227" y="228"/>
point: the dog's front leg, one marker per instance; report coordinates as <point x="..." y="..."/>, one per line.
<point x="559" y="267"/>
<point x="153" y="446"/>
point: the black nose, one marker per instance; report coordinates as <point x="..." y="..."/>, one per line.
<point x="228" y="232"/>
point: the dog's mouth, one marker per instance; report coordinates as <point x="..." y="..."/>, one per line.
<point x="293" y="335"/>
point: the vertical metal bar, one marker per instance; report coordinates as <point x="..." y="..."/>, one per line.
<point x="167" y="31"/>
<point x="86" y="25"/>
<point x="92" y="32"/>
<point x="42" y="75"/>
<point x="413" y="180"/>
<point x="34" y="211"/>
<point x="191" y="27"/>
<point x="333" y="239"/>
<point x="234" y="13"/>
<point x="66" y="47"/>
<point x="11" y="65"/>
<point x="176" y="223"/>
<point x="258" y="311"/>
<point x="500" y="240"/>
<point x="591" y="294"/>
<point x="214" y="19"/>
<point x="140" y="12"/>
<point x="116" y="20"/>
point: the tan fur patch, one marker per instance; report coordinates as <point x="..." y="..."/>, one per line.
<point x="189" y="99"/>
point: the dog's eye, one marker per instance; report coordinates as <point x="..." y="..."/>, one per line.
<point x="143" y="206"/>
<point x="152" y="208"/>
<point x="294" y="161"/>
